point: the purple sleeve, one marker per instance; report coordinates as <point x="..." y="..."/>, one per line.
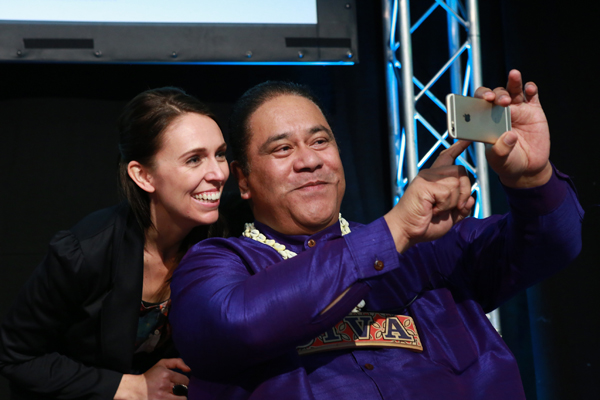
<point x="491" y="260"/>
<point x="222" y="312"/>
<point x="226" y="319"/>
<point x="543" y="236"/>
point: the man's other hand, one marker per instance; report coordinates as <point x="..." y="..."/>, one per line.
<point x="520" y="156"/>
<point x="434" y="201"/>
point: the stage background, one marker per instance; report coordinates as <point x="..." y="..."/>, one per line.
<point x="58" y="157"/>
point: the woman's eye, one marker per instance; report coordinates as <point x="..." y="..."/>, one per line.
<point x="221" y="156"/>
<point x="193" y="160"/>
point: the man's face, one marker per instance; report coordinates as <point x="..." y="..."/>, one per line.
<point x="296" y="179"/>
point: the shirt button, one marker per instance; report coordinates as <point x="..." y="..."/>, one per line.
<point x="311" y="243"/>
<point x="369" y="367"/>
<point x="378" y="265"/>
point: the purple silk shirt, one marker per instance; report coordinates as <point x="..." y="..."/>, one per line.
<point x="239" y="310"/>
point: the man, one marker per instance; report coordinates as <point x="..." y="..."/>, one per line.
<point x="308" y="306"/>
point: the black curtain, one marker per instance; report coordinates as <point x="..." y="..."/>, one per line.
<point x="553" y="43"/>
<point x="58" y="155"/>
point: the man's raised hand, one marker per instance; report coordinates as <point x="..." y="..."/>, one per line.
<point x="434" y="201"/>
<point x="520" y="156"/>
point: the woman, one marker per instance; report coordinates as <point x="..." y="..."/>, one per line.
<point x="92" y="320"/>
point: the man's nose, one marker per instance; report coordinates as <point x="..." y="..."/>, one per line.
<point x="307" y="159"/>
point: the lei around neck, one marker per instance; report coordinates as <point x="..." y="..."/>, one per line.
<point x="253" y="233"/>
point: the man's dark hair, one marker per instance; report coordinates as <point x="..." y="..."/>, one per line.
<point x="239" y="129"/>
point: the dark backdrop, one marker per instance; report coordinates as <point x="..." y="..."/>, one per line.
<point x="58" y="156"/>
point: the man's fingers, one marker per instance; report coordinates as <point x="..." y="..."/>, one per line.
<point x="514" y="83"/>
<point x="446" y="199"/>
<point x="514" y="93"/>
<point x="514" y="86"/>
<point x="531" y="93"/>
<point x="484" y="93"/>
<point x="504" y="144"/>
<point x="451" y="192"/>
<point x="503" y="97"/>
<point x="464" y="191"/>
<point x="429" y="206"/>
<point x="448" y="156"/>
<point x="459" y="214"/>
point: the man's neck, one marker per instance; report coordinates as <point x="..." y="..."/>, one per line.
<point x="296" y="229"/>
<point x="301" y="231"/>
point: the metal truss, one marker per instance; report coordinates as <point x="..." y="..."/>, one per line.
<point x="418" y="138"/>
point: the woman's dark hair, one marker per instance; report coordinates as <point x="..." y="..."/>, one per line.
<point x="239" y="130"/>
<point x="141" y="129"/>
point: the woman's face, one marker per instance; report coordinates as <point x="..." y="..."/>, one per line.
<point x="188" y="173"/>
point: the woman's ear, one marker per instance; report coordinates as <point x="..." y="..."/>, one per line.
<point x="238" y="172"/>
<point x="141" y="176"/>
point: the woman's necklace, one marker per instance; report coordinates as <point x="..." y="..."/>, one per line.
<point x="253" y="233"/>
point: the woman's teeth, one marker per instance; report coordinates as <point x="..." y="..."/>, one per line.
<point x="208" y="196"/>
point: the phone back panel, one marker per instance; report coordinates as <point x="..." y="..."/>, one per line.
<point x="476" y="119"/>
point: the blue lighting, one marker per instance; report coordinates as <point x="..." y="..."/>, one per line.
<point x="423" y="18"/>
<point x="319" y="63"/>
<point x="468" y="157"/>
<point x="393" y="27"/>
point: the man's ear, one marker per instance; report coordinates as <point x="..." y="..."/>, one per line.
<point x="141" y="176"/>
<point x="238" y="172"/>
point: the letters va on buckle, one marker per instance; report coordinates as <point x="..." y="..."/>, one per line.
<point x="367" y="329"/>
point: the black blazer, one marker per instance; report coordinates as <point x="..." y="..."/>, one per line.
<point x="71" y="331"/>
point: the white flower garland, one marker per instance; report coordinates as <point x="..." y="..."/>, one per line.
<point x="253" y="233"/>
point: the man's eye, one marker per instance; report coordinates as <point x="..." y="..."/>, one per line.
<point x="282" y="149"/>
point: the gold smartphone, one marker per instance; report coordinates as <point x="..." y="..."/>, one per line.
<point x="476" y="119"/>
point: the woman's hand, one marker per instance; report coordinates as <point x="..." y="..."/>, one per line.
<point x="156" y="383"/>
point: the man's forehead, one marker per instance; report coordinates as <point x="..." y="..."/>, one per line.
<point x="286" y="111"/>
<point x="288" y="104"/>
